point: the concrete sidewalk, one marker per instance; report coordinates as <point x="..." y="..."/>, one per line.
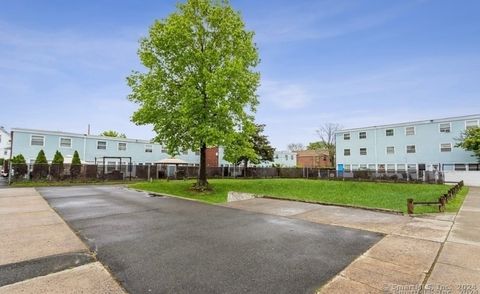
<point x="458" y="264"/>
<point x="38" y="250"/>
<point x="407" y="257"/>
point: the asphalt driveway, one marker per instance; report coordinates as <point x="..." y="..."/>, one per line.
<point x="170" y="245"/>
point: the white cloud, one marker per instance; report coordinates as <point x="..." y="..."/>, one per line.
<point x="285" y="95"/>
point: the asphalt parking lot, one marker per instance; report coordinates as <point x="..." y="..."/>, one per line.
<point x="171" y="245"/>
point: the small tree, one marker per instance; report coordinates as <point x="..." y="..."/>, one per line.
<point x="56" y="168"/>
<point x="19" y="166"/>
<point x="76" y="166"/>
<point x="316" y="146"/>
<point x="111" y="133"/>
<point x="294" y="147"/>
<point x="470" y="141"/>
<point x="40" y="167"/>
<point x="326" y="132"/>
<point x="257" y="149"/>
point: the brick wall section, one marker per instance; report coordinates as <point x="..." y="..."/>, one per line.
<point x="212" y="157"/>
<point x="313" y="158"/>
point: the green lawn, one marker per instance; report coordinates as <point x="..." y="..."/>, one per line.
<point x="374" y="195"/>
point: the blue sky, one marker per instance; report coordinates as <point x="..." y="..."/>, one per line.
<point x="63" y="63"/>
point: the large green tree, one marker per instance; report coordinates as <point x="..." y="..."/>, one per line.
<point x="199" y="86"/>
<point x="111" y="133"/>
<point x="257" y="149"/>
<point x="470" y="141"/>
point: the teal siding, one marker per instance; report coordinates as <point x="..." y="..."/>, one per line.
<point x="427" y="140"/>
<point x="87" y="147"/>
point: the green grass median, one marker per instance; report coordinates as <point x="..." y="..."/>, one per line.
<point x="392" y="196"/>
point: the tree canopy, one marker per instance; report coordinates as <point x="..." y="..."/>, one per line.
<point x="294" y="147"/>
<point x="318" y="145"/>
<point x="199" y="86"/>
<point x="76" y="158"/>
<point x="58" y="158"/>
<point x="41" y="158"/>
<point x="111" y="133"/>
<point x="260" y="150"/>
<point x="470" y="141"/>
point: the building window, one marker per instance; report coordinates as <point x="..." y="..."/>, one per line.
<point x="346" y="168"/>
<point x="184" y="152"/>
<point x="409" y="131"/>
<point x="102" y="145"/>
<point x="460" y="167"/>
<point x="372" y="167"/>
<point x="122" y="146"/>
<point x="389" y="132"/>
<point x="363" y="151"/>
<point x="66" y="142"/>
<point x="473" y="123"/>
<point x="411" y="149"/>
<point x="37" y="140"/>
<point x="197" y="153"/>
<point x="446" y="147"/>
<point x="148" y="148"/>
<point x="276" y="156"/>
<point x="390" y="168"/>
<point x="346" y="152"/>
<point x="354" y="167"/>
<point x="362" y="135"/>
<point x="473" y="166"/>
<point x="412" y="168"/>
<point x="390" y="150"/>
<point x="400" y="167"/>
<point x="346" y="136"/>
<point x="291" y="156"/>
<point x="444" y="127"/>
<point x="164" y="150"/>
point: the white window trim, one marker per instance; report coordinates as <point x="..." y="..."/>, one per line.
<point x="362" y="138"/>
<point x="43" y="145"/>
<point x="414" y="130"/>
<point x="60" y="142"/>
<point x="145" y="148"/>
<point x="440" y="147"/>
<point x="118" y="146"/>
<point x="393" y="135"/>
<point x="106" y="144"/>
<point x="471" y="120"/>
<point x="360" y="151"/>
<point x="406" y="149"/>
<point x="439" y="128"/>
<point x="386" y="150"/>
<point x="349" y="150"/>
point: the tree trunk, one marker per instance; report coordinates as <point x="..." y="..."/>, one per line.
<point x="202" y="182"/>
<point x="245" y="165"/>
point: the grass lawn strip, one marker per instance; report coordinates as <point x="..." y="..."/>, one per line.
<point x="392" y="196"/>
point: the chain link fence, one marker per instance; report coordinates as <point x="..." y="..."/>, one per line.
<point x="92" y="172"/>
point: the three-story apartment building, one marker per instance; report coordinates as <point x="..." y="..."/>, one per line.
<point x="412" y="146"/>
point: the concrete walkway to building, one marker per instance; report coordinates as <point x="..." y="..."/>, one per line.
<point x="437" y="250"/>
<point x="39" y="253"/>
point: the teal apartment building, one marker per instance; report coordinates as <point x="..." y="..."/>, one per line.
<point x="91" y="148"/>
<point x="427" y="145"/>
